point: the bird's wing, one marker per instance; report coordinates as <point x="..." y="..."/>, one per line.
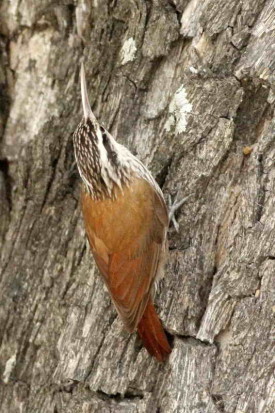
<point x="129" y="266"/>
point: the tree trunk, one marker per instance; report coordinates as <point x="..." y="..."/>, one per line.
<point x="187" y="87"/>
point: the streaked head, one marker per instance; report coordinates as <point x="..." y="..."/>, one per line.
<point x="99" y="157"/>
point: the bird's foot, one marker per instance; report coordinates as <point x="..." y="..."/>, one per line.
<point x="173" y="207"/>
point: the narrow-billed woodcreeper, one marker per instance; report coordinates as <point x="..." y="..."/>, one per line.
<point x="126" y="222"/>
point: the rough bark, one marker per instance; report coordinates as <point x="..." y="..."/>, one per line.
<point x="189" y="87"/>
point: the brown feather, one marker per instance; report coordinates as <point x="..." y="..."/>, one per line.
<point x="152" y="334"/>
<point x="127" y="236"/>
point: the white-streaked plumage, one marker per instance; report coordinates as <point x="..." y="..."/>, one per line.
<point x="128" y="165"/>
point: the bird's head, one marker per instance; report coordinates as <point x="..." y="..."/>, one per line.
<point x="103" y="164"/>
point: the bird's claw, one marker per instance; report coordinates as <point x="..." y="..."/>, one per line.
<point x="173" y="207"/>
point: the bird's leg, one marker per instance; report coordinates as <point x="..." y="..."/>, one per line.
<point x="173" y="207"/>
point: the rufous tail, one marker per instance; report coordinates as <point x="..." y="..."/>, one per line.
<point x="152" y="334"/>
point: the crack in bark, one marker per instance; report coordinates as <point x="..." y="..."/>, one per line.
<point x="195" y="339"/>
<point x="261" y="191"/>
<point x="218" y="402"/>
<point x="176" y="11"/>
<point x="7" y="181"/>
<point x="163" y="173"/>
<point x="119" y="397"/>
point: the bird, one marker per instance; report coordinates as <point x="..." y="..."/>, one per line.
<point x="126" y="221"/>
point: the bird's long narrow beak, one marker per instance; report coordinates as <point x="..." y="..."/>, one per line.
<point x="84" y="95"/>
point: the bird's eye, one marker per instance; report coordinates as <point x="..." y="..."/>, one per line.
<point x="105" y="139"/>
<point x="104" y="136"/>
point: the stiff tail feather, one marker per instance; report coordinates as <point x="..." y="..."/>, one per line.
<point x="152" y="334"/>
